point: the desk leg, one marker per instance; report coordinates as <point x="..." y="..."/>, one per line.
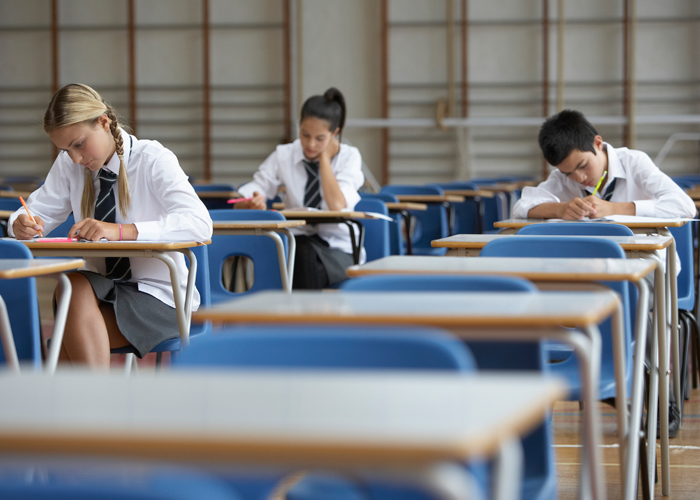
<point x="8" y="341"/>
<point x="291" y="255"/>
<point x="281" y="258"/>
<point x="59" y="322"/>
<point x="619" y="348"/>
<point x="451" y="481"/>
<point x="409" y="232"/>
<point x="664" y="362"/>
<point x="182" y="316"/>
<point x="356" y="246"/>
<point x="191" y="278"/>
<point x="591" y="461"/>
<point x="630" y="472"/>
<point x="508" y="470"/>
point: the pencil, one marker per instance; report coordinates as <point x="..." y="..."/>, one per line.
<point x="599" y="183"/>
<point x="31" y="217"/>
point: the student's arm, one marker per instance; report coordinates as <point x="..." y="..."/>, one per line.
<point x="264" y="185"/>
<point x="605" y="208"/>
<point x="332" y="193"/>
<point x="49" y="204"/>
<point x="665" y="197"/>
<point x="348" y="176"/>
<point x="554" y="198"/>
<point x="187" y="218"/>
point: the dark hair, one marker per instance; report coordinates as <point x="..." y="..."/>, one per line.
<point x="330" y="107"/>
<point x="562" y="133"/>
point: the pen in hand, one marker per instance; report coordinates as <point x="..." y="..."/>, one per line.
<point x="599" y="183"/>
<point x="31" y="217"/>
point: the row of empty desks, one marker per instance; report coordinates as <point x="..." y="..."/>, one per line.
<point x="507" y="316"/>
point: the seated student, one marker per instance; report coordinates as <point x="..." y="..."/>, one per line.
<point x="632" y="186"/>
<point x="318" y="172"/>
<point x="118" y="188"/>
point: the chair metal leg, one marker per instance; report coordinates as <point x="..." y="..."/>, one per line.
<point x="159" y="360"/>
<point x="130" y="364"/>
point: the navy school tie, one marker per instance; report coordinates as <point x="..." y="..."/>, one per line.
<point x="312" y="193"/>
<point x="609" y="190"/>
<point x="118" y="268"/>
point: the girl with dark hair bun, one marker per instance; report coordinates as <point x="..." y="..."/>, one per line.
<point x="318" y="172"/>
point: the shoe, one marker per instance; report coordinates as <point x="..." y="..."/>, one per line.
<point x="674" y="419"/>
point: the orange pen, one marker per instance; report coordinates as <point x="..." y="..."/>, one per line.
<point x="31" y="217"/>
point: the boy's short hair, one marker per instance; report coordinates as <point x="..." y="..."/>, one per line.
<point x="562" y="133"/>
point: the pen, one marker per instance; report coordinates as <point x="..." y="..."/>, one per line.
<point x="599" y="183"/>
<point x="31" y="217"/>
<point x="236" y="200"/>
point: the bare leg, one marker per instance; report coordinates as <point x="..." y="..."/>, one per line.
<point x="91" y="327"/>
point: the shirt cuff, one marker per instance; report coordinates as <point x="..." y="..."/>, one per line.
<point x="644" y="208"/>
<point x="148" y="231"/>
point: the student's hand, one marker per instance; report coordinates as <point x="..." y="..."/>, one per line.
<point x="94" y="230"/>
<point x="606" y="208"/>
<point x="579" y="208"/>
<point x="330" y="151"/>
<point x="257" y="202"/>
<point x="25" y="229"/>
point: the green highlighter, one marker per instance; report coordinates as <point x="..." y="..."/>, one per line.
<point x="599" y="183"/>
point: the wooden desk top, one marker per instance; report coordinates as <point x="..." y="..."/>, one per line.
<point x="636" y="242"/>
<point x="470" y="193"/>
<point x="429" y="198"/>
<point x="28" y="268"/>
<point x="279" y="417"/>
<point x="86" y="246"/>
<point x="536" y="269"/>
<point x="323" y="214"/>
<point x="256" y="224"/>
<point x="397" y="207"/>
<point x="518" y="223"/>
<point x="506" y="187"/>
<point x="5" y="214"/>
<point x="443" y="309"/>
<point x="697" y="203"/>
<point x="217" y="194"/>
<point x="693" y="193"/>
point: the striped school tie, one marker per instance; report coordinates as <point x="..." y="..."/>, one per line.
<point x="312" y="193"/>
<point x="609" y="190"/>
<point x="118" y="268"/>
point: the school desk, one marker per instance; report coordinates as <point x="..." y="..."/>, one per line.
<point x="208" y="195"/>
<point x="644" y="225"/>
<point x="31" y="268"/>
<point x="403" y="209"/>
<point x="15" y="194"/>
<point x="693" y="193"/>
<point x="349" y="218"/>
<point x="552" y="274"/>
<point x="268" y="228"/>
<point x="444" y="200"/>
<point x="149" y="249"/>
<point x="419" y="426"/>
<point x="5" y="214"/>
<point x="504" y="315"/>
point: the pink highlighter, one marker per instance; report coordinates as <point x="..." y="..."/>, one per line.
<point x="236" y="200"/>
<point x="56" y="240"/>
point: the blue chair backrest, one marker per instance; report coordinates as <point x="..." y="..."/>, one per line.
<point x="63" y="228"/>
<point x="576" y="229"/>
<point x="85" y="481"/>
<point x="488" y="355"/>
<point x="213" y="187"/>
<point x="686" y="279"/>
<point x="431" y="224"/>
<point x="202" y="282"/>
<point x="467" y="212"/>
<point x="577" y="247"/>
<point x="260" y="249"/>
<point x="5" y="187"/>
<point x="22" y="306"/>
<point x="397" y="243"/>
<point x="377" y="231"/>
<point x="328" y="347"/>
<point x="10" y="203"/>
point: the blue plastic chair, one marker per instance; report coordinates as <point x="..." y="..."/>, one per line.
<point x="260" y="249"/>
<point x="172" y="346"/>
<point x="430" y="224"/>
<point x="5" y="187"/>
<point x="498" y="207"/>
<point x="468" y="215"/>
<point x="397" y="243"/>
<point x="377" y="231"/>
<point x="331" y="348"/>
<point x="214" y="203"/>
<point x="575" y="229"/>
<point x="85" y="481"/>
<point x="22" y="307"/>
<point x="577" y="247"/>
<point x="10" y="204"/>
<point x="539" y="479"/>
<point x="63" y="228"/>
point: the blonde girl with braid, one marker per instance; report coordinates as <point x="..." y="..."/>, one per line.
<point x="118" y="188"/>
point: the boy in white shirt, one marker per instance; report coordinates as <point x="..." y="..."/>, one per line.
<point x="633" y="184"/>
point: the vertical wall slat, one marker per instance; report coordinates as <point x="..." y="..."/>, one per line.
<point x="206" y="87"/>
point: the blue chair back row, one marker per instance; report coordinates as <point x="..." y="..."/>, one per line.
<point x="397" y="243"/>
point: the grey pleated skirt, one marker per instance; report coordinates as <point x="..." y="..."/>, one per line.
<point x="143" y="320"/>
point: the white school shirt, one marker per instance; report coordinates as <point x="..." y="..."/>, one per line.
<point x="653" y="193"/>
<point x="284" y="167"/>
<point x="164" y="206"/>
<point x="639" y="180"/>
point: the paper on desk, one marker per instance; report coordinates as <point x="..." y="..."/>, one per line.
<point x="379" y="216"/>
<point x="623" y="219"/>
